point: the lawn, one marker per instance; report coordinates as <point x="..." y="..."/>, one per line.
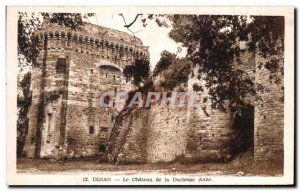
<point x="240" y="166"/>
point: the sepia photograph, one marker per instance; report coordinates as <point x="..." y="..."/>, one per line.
<point x="150" y="95"/>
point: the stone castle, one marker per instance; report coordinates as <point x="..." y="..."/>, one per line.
<point x="66" y="120"/>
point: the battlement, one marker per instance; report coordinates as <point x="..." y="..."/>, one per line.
<point x="90" y="39"/>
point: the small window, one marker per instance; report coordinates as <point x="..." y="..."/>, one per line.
<point x="90" y="102"/>
<point x="61" y="66"/>
<point x="91" y="130"/>
<point x="92" y="71"/>
<point x="113" y="119"/>
<point x="102" y="148"/>
<point x="32" y="140"/>
<point x="106" y="99"/>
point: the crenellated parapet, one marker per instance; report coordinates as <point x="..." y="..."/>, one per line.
<point x="93" y="40"/>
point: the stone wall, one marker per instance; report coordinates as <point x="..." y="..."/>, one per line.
<point x="30" y="140"/>
<point x="134" y="138"/>
<point x="167" y="134"/>
<point x="86" y="84"/>
<point x="149" y="135"/>
<point x="163" y="135"/>
<point x="269" y="114"/>
<point x="211" y="134"/>
<point x="55" y="92"/>
<point x="51" y="129"/>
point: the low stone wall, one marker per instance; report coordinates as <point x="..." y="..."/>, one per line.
<point x="135" y="138"/>
<point x="210" y="136"/>
<point x="167" y="134"/>
<point x="155" y="135"/>
<point x="164" y="135"/>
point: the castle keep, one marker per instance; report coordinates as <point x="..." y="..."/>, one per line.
<point x="75" y="68"/>
<point x="66" y="120"/>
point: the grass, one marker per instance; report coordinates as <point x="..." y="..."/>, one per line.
<point x="243" y="164"/>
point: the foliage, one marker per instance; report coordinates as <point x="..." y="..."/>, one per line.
<point x="160" y="19"/>
<point x="212" y="43"/>
<point x="27" y="44"/>
<point x="71" y="20"/>
<point x="166" y="59"/>
<point x="139" y="71"/>
<point x="23" y="103"/>
<point x="173" y="71"/>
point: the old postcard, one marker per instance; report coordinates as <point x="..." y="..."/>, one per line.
<point x="150" y="95"/>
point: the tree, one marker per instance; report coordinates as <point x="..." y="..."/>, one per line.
<point x="212" y="43"/>
<point x="173" y="71"/>
<point x="23" y="103"/>
<point x="139" y="71"/>
<point x="166" y="59"/>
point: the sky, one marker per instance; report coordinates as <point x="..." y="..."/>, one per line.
<point x="152" y="35"/>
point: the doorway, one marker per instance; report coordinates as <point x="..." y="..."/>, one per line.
<point x="244" y="125"/>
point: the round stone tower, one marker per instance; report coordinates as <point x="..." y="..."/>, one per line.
<point x="74" y="68"/>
